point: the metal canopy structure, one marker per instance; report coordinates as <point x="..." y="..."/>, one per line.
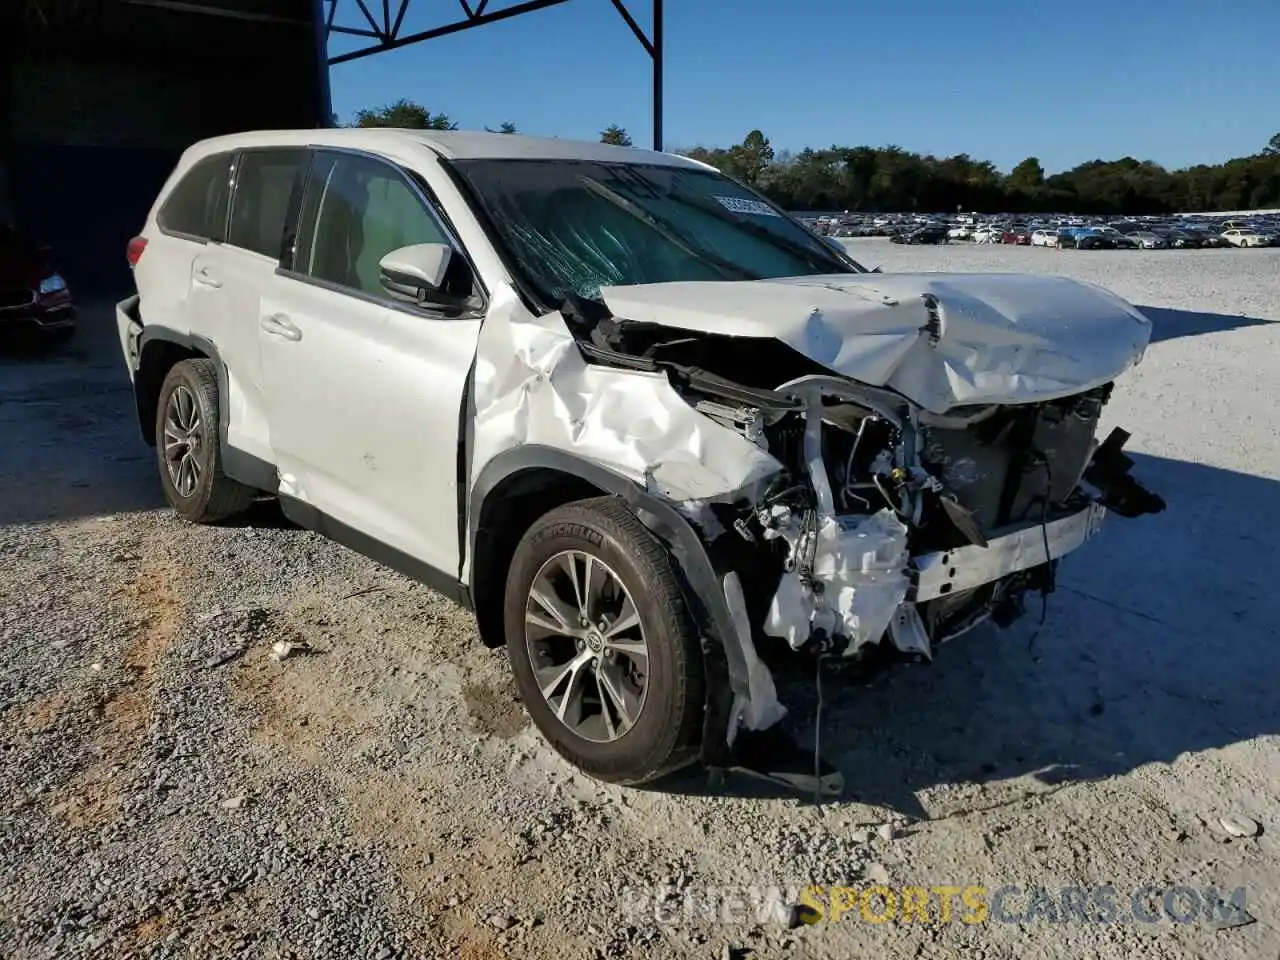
<point x="380" y="22"/>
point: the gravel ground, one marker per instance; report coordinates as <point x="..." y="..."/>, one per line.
<point x="167" y="789"/>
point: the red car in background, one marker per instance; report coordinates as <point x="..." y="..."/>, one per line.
<point x="33" y="295"/>
<point x="1017" y="235"/>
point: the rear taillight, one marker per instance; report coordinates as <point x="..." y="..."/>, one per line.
<point x="134" y="253"/>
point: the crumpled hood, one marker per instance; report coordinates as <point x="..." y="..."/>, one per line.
<point x="996" y="338"/>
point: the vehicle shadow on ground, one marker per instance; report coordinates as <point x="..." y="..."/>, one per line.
<point x="1169" y="324"/>
<point x="1160" y="641"/>
<point x="70" y="444"/>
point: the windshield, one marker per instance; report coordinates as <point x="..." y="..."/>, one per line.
<point x="572" y="226"/>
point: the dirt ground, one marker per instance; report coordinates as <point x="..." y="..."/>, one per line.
<point x="168" y="789"/>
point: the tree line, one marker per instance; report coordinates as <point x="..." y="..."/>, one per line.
<point x="889" y="178"/>
<point x="880" y="179"/>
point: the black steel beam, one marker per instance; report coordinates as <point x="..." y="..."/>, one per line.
<point x="404" y="8"/>
<point x="324" y="96"/>
<point x="656" y="53"/>
<point x="368" y="18"/>
<point x="635" y="27"/>
<point x="479" y="20"/>
<point x="389" y="38"/>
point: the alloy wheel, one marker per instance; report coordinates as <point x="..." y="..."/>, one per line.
<point x="587" y="646"/>
<point x="183" y="441"/>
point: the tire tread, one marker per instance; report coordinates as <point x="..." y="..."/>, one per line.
<point x="680" y="741"/>
<point x="225" y="497"/>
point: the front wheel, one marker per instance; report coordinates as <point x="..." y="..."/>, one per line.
<point x="605" y="653"/>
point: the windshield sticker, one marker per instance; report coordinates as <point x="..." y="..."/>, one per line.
<point x="743" y="205"/>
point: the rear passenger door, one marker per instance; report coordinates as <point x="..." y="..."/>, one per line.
<point x="235" y="274"/>
<point x="365" y="392"/>
<point x="192" y="218"/>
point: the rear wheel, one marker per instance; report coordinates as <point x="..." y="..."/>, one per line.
<point x="188" y="448"/>
<point x="604" y="651"/>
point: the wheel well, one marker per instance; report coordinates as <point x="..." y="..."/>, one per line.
<point x="507" y="513"/>
<point x="158" y="358"/>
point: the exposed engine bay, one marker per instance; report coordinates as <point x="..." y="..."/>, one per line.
<point x="887" y="522"/>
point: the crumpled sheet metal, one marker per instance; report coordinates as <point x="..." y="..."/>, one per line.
<point x="532" y="386"/>
<point x="861" y="563"/>
<point x="1004" y="338"/>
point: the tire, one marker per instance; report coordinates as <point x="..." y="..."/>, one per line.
<point x="200" y="491"/>
<point x="665" y="733"/>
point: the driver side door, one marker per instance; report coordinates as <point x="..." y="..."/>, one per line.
<point x="364" y="393"/>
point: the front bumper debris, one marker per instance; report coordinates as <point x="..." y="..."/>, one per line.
<point x="963" y="568"/>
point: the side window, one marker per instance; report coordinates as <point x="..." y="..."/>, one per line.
<point x="197" y="207"/>
<point x="264" y="182"/>
<point x="357" y="210"/>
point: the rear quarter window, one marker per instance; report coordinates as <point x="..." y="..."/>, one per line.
<point x="264" y="184"/>
<point x="197" y="206"/>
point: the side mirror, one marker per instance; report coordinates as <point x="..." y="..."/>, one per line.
<point x="416" y="273"/>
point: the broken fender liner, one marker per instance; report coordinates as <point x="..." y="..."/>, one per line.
<point x="1109" y="472"/>
<point x="538" y="402"/>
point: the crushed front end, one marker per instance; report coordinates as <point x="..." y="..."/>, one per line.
<point x="890" y="523"/>
<point x="839" y="464"/>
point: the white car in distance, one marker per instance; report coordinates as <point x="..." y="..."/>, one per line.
<point x="638" y="418"/>
<point x="1044" y="238"/>
<point x="1242" y="237"/>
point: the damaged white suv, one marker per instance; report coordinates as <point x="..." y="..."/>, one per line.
<point x="636" y="417"/>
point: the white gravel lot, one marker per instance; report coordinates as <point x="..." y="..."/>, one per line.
<point x="168" y="790"/>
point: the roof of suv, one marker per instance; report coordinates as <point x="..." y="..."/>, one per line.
<point x="450" y="144"/>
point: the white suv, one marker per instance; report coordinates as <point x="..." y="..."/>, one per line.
<point x="635" y="416"/>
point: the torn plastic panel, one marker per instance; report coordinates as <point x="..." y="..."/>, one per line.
<point x="534" y="387"/>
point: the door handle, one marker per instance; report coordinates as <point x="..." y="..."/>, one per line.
<point x="205" y="280"/>
<point x="278" y="325"/>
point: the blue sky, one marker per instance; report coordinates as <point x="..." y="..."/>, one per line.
<point x="1176" y="81"/>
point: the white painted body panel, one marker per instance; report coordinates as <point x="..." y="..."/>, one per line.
<point x="365" y="408"/>
<point x="227" y="286"/>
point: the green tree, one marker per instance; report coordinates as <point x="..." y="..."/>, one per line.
<point x="1272" y="148"/>
<point x="1027" y="176"/>
<point x="615" y="135"/>
<point x="750" y="159"/>
<point x="405" y="114"/>
<point x="505" y="127"/>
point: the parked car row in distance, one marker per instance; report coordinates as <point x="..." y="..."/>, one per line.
<point x="1058" y="230"/>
